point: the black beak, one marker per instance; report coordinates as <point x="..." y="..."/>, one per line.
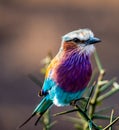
<point x="92" y="41"/>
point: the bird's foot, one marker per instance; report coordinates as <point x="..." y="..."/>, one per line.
<point x="73" y="103"/>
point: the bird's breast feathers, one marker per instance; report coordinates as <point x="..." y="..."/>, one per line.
<point x="71" y="72"/>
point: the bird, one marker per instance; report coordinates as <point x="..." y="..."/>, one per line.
<point x="69" y="72"/>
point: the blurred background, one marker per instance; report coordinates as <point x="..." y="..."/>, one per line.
<point x="29" y="29"/>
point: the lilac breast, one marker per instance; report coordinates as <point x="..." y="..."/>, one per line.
<point x="74" y="72"/>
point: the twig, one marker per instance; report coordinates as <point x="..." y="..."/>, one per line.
<point x="88" y="101"/>
<point x="111" y="118"/>
<point x="113" y="122"/>
<point x="87" y="118"/>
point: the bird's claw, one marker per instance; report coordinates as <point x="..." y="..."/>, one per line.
<point x="42" y="93"/>
<point x="73" y="103"/>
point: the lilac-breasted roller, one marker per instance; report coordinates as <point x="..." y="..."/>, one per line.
<point x="68" y="73"/>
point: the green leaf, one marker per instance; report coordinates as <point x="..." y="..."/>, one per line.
<point x="75" y="120"/>
<point x="108" y="94"/>
<point x="103" y="117"/>
<point x="94" y="75"/>
<point x="106" y="86"/>
<point x="51" y="124"/>
<point x="99" y="65"/>
<point x="78" y="127"/>
<point x="88" y="101"/>
<point x="111" y="118"/>
<point x="104" y="110"/>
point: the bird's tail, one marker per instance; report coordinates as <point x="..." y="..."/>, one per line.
<point x="39" y="110"/>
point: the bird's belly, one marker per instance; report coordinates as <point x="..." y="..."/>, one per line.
<point x="62" y="98"/>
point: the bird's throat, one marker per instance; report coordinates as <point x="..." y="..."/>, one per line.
<point x="68" y="46"/>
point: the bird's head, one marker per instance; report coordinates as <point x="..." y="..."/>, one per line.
<point x="82" y="39"/>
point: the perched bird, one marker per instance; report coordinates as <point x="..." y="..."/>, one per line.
<point x="69" y="72"/>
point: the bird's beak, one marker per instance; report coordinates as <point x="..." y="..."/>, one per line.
<point x="93" y="41"/>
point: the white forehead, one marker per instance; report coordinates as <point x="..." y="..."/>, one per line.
<point x="82" y="34"/>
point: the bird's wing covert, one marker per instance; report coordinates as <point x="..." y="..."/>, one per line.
<point x="49" y="73"/>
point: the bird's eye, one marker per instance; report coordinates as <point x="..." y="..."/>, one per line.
<point x="82" y="41"/>
<point x="76" y="40"/>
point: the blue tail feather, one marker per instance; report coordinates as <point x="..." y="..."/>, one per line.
<point x="43" y="106"/>
<point x="40" y="110"/>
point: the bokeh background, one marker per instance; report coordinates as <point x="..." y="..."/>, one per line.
<point x="29" y="29"/>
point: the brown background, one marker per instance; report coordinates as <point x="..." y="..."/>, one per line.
<point x="29" y="29"/>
